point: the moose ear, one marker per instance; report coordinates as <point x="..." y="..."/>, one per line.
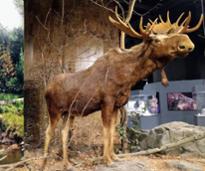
<point x="157" y="40"/>
<point x="154" y="38"/>
<point x="153" y="35"/>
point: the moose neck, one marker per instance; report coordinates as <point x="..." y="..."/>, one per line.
<point x="141" y="62"/>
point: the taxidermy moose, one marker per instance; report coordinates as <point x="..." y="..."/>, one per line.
<point x="106" y="85"/>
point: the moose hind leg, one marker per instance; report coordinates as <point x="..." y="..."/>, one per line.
<point x="48" y="135"/>
<point x="67" y="123"/>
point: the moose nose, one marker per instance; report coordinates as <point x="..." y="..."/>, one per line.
<point x="186" y="47"/>
<point x="190" y="49"/>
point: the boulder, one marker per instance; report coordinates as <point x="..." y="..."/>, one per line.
<point x="131" y="165"/>
<point x="173" y="132"/>
<point x="184" y="165"/>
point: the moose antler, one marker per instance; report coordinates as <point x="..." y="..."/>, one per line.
<point x="127" y="28"/>
<point x="186" y="28"/>
<point x="162" y="27"/>
<point x="166" y="26"/>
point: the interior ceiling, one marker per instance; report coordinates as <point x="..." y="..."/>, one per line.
<point x="160" y="5"/>
<point x="152" y="8"/>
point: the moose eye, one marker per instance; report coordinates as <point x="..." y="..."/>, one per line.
<point x="154" y="33"/>
<point x="156" y="40"/>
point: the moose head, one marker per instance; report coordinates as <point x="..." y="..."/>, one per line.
<point x="166" y="39"/>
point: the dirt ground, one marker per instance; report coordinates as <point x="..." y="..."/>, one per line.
<point x="84" y="161"/>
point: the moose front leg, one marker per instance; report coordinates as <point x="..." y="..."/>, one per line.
<point x="164" y="79"/>
<point x="108" y="118"/>
<point x="113" y="126"/>
<point x="49" y="133"/>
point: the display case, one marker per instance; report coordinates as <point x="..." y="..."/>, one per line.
<point x="200" y="101"/>
<point x="143" y="109"/>
<point x="143" y="104"/>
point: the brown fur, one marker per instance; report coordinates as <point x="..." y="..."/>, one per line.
<point x="106" y="85"/>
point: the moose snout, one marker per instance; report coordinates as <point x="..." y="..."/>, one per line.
<point x="186" y="47"/>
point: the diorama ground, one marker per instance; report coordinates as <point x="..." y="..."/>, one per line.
<point x="85" y="153"/>
<point x="85" y="161"/>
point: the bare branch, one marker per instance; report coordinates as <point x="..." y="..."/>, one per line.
<point x="121" y="8"/>
<point x="62" y="12"/>
<point x="130" y="11"/>
<point x="46" y="19"/>
<point x="108" y="9"/>
<point x="41" y="23"/>
<point x="127" y="20"/>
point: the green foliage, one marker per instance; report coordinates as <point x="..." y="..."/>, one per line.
<point x="4" y="38"/>
<point x="8" y="96"/>
<point x="12" y="114"/>
<point x="20" y="72"/>
<point x="8" y="109"/>
<point x="16" y="108"/>
<point x="16" y="44"/>
<point x="11" y="60"/>
<point x="122" y="132"/>
<point x="14" y="121"/>
<point x="7" y="71"/>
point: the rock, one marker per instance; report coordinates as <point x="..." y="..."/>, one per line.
<point x="13" y="148"/>
<point x="183" y="165"/>
<point x="173" y="132"/>
<point x="10" y="154"/>
<point x="7" y="141"/>
<point x="123" y="166"/>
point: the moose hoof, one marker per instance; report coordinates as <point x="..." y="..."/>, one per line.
<point x="67" y="166"/>
<point x="71" y="169"/>
<point x="108" y="161"/>
<point x="43" y="164"/>
<point x="115" y="157"/>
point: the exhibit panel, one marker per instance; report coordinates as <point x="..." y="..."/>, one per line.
<point x="180" y="101"/>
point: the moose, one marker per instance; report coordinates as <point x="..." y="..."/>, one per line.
<point x="106" y="85"/>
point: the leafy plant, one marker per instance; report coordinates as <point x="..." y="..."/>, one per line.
<point x="14" y="121"/>
<point x="8" y="108"/>
<point x="8" y="96"/>
<point x="122" y="132"/>
<point x="11" y="115"/>
<point x="11" y="60"/>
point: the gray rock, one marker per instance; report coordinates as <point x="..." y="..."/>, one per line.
<point x="183" y="165"/>
<point x="124" y="166"/>
<point x="172" y="132"/>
